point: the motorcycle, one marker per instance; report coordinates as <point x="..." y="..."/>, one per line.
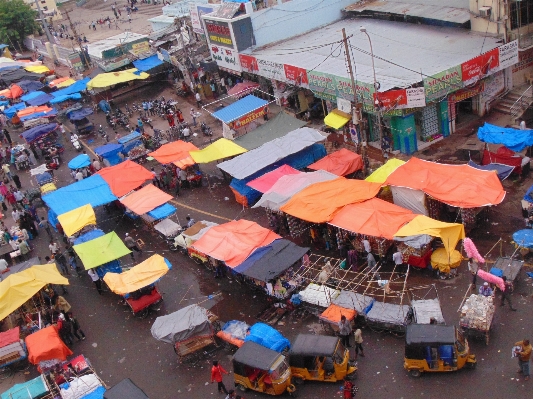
<point x="146" y="121"/>
<point x="111" y="120"/>
<point x="206" y="130"/>
<point x="103" y="133"/>
<point x="75" y="142"/>
<point x="128" y="110"/>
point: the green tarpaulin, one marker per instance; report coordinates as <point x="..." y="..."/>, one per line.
<point x="101" y="250"/>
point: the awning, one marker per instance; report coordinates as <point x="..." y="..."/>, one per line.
<point x="18" y="288"/>
<point x="190" y="321"/>
<point x="37" y="132"/>
<point x="374" y="217"/>
<point x="32" y="95"/>
<point x="334" y="313"/>
<point x="80" y="161"/>
<point x="503" y="171"/>
<point x="101" y="250"/>
<point x="337" y="119"/>
<point x="78" y="86"/>
<point x="265" y="182"/>
<point x="35" y="388"/>
<point x="33" y="110"/>
<point x="163" y="211"/>
<point x="242" y="89"/>
<point x="12" y="111"/>
<point x="174" y="151"/>
<point x="45" y="344"/>
<point x="320" y="202"/>
<point x="139" y="276"/>
<point x="220" y="149"/>
<point x="30" y="85"/>
<point x="60" y="99"/>
<point x="125" y="177"/>
<point x="113" y="78"/>
<point x="234" y="241"/>
<point x="77" y="219"/>
<point x="449" y="233"/>
<point x="79" y="114"/>
<point x="341" y="163"/>
<point x="456" y="185"/>
<point x="40" y="100"/>
<point x="90" y="235"/>
<point x="380" y="174"/>
<point x="147" y="63"/>
<point x="144" y="200"/>
<point x="240" y="108"/>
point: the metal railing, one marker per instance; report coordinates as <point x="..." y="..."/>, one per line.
<point x="521" y="103"/>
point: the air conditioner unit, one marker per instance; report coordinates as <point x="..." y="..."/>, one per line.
<point x="485" y="11"/>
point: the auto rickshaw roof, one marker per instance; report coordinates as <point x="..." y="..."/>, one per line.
<point x="254" y="355"/>
<point x="314" y="345"/>
<point x="429" y="334"/>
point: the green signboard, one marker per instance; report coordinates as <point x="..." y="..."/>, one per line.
<point x="443" y="83"/>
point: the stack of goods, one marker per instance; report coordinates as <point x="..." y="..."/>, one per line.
<point x="408" y="251"/>
<point x="477" y="312"/>
<point x="136" y="152"/>
<point x="319" y="295"/>
<point x="379" y="246"/>
<point x="11" y="348"/>
<point x="296" y="226"/>
<point x="15" y="232"/>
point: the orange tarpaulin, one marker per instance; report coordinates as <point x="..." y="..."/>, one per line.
<point x="458" y="185"/>
<point x="55" y="82"/>
<point x="125" y="176"/>
<point x="340" y="163"/>
<point x="45" y="344"/>
<point x="374" y="217"/>
<point x="265" y="182"/>
<point x="14" y="91"/>
<point x="33" y="110"/>
<point x="319" y="202"/>
<point x="146" y="199"/>
<point x="233" y="242"/>
<point x="334" y="312"/>
<point x="183" y="163"/>
<point x="174" y="151"/>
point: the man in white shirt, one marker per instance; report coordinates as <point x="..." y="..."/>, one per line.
<point x="198" y="100"/>
<point x="186" y="132"/>
<point x="398" y="262"/>
<point x="96" y="165"/>
<point x="367" y="246"/>
<point x="79" y="175"/>
<point x="53" y="247"/>
<point x="16" y="214"/>
<point x="3" y="265"/>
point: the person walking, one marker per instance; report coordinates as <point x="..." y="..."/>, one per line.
<point x="345" y="329"/>
<point x="96" y="280"/>
<point x="506" y="294"/>
<point x="16" y="180"/>
<point x="61" y="304"/>
<point x="523" y="352"/>
<point x="216" y="375"/>
<point x="198" y="98"/>
<point x="24" y="249"/>
<point x="358" y="336"/>
<point x="193" y="116"/>
<point x="46" y="225"/>
<point x="397" y="258"/>
<point x="76" y="328"/>
<point x="131" y="244"/>
<point x="472" y="268"/>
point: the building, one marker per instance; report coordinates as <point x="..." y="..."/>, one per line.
<point x="48" y="7"/>
<point x="119" y="50"/>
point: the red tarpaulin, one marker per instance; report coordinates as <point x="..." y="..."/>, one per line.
<point x="45" y="344"/>
<point x="125" y="177"/>
<point x="504" y="156"/>
<point x="265" y="182"/>
<point x="242" y="89"/>
<point x="340" y="163"/>
<point x="9" y="337"/>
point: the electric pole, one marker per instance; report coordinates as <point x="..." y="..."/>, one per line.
<point x="47" y="31"/>
<point x="355" y="113"/>
<point x="83" y="56"/>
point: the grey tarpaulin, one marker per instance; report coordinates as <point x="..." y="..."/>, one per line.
<point x="352" y="300"/>
<point x="314" y="345"/>
<point x="256" y="356"/>
<point x="125" y="389"/>
<point x="188" y="322"/>
<point x="425" y="309"/>
<point x="382" y="312"/>
<point x="429" y="334"/>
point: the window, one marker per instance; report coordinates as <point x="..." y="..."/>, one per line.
<point x="521" y="13"/>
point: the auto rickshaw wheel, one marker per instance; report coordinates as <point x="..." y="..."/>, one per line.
<point x="415" y="373"/>
<point x="142" y="314"/>
<point x="297" y="380"/>
<point x="242" y="387"/>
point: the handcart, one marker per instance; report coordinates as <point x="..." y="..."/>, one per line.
<point x="508" y="267"/>
<point x="389" y="317"/>
<point x="233" y="334"/>
<point x="184" y="240"/>
<point x="168" y="230"/>
<point x="477" y="316"/>
<point x="13" y="352"/>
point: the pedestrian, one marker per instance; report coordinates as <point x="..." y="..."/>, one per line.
<point x="119" y="11"/>
<point x="358" y="336"/>
<point x="96" y="280"/>
<point x="193" y="116"/>
<point x="345" y="329"/>
<point x="216" y="375"/>
<point x="397" y="258"/>
<point x="366" y="245"/>
<point x="522" y="124"/>
<point x="472" y="268"/>
<point x="6" y="170"/>
<point x="79" y="175"/>
<point x="24" y="249"/>
<point x="190" y="221"/>
<point x="53" y="247"/>
<point x="485" y="289"/>
<point x="16" y="180"/>
<point x="170" y="119"/>
<point x="183" y="178"/>
<point x="198" y="99"/>
<point x="46" y="225"/>
<point x="97" y="165"/>
<point x="64" y="328"/>
<point x="131" y="244"/>
<point x="140" y="125"/>
<point x="8" y="137"/>
<point x="73" y="264"/>
<point x="370" y="260"/>
<point x="231" y="394"/>
<point x="506" y="294"/>
<point x="348" y="389"/>
<point x="523" y="352"/>
<point x="19" y="197"/>
<point x="109" y="23"/>
<point x="76" y="328"/>
<point x="61" y="304"/>
<point x="61" y="261"/>
<point x="155" y="178"/>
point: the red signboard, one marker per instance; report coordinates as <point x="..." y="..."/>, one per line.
<point x="248" y="118"/>
<point x="295" y="74"/>
<point x="480" y="66"/>
<point x="392" y="99"/>
<point x="248" y="63"/>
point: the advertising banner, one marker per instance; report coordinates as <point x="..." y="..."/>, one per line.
<point x="508" y="54"/>
<point x="196" y="11"/>
<point x="480" y="66"/>
<point x="225" y="58"/>
<point x="295" y="75"/>
<point x="248" y="63"/>
<point x="218" y="33"/>
<point x="466" y="93"/>
<point x="439" y="85"/>
<point x="248" y="118"/>
<point x="271" y="70"/>
<point x="322" y="85"/>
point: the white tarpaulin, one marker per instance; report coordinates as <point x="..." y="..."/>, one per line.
<point x="253" y="161"/>
<point x="414" y="200"/>
<point x="287" y="186"/>
<point x="320" y="295"/>
<point x="426" y="309"/>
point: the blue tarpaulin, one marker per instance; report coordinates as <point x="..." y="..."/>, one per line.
<point x="147" y="63"/>
<point x="110" y="153"/>
<point x="268" y="337"/>
<point x="4" y="103"/>
<point x="113" y="267"/>
<point x="240" y="108"/>
<point x="30" y="85"/>
<point x="79" y="114"/>
<point x="49" y="114"/>
<point x="524" y="238"/>
<point x="80" y="85"/>
<point x="31" y="95"/>
<point x="43" y="178"/>
<point x="11" y="111"/>
<point x="93" y="190"/>
<point x="129" y="137"/>
<point x="528" y="196"/>
<point x="36" y="132"/>
<point x="90" y="235"/>
<point x="502" y="170"/>
<point x="39" y="100"/>
<point x="104" y="106"/>
<point x="98" y="393"/>
<point x="60" y="99"/>
<point x="163" y="211"/>
<point x="35" y="388"/>
<point x="81" y="161"/>
<point x="513" y="139"/>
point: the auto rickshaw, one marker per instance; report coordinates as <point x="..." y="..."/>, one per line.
<point x="261" y="369"/>
<point x="319" y="358"/>
<point x="436" y="348"/>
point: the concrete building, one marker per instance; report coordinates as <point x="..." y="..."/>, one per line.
<point x="48" y="7"/>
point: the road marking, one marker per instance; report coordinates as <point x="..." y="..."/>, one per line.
<point x="199" y="210"/>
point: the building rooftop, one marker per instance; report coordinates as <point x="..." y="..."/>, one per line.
<point x="97" y="48"/>
<point x="414" y="49"/>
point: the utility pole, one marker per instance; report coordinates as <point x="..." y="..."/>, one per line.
<point x="47" y="31"/>
<point x="356" y="121"/>
<point x="83" y="56"/>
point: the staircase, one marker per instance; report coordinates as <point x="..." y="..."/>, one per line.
<point x="516" y="101"/>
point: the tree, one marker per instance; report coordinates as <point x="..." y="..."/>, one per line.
<point x="17" y="20"/>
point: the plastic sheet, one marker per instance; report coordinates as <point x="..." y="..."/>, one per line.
<point x="426" y="309"/>
<point x="237" y="329"/>
<point x="268" y="337"/>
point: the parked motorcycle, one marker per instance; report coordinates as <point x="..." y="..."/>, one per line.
<point x="206" y="130"/>
<point x="103" y="133"/>
<point x="75" y="142"/>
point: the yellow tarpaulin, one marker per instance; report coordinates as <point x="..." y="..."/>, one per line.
<point x="113" y="78"/>
<point x="380" y="174"/>
<point x="142" y="275"/>
<point x="440" y="260"/>
<point x="48" y="187"/>
<point x="76" y="219"/>
<point x="450" y="233"/>
<point x="37" y="68"/>
<point x="18" y="288"/>
<point x="66" y="83"/>
<point x="336" y="119"/>
<point x="220" y="149"/>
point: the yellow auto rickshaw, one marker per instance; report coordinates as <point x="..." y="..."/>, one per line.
<point x="319" y="358"/>
<point x="436" y="348"/>
<point x="261" y="369"/>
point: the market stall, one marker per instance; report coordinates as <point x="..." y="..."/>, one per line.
<point x="341" y="163"/>
<point x="125" y="177"/>
<point x="133" y="147"/>
<point x="317" y="298"/>
<point x="101" y="251"/>
<point x="265" y="182"/>
<point x="110" y="153"/>
<point x="12" y="348"/>
<point x="388" y="316"/>
<point x="190" y="236"/>
<point x="220" y="149"/>
<point x="38" y="132"/>
<point x="79" y="119"/>
<point x="79" y="162"/>
<point x="125" y="389"/>
<point x="174" y="151"/>
<point x="477" y="315"/>
<point x="77" y="219"/>
<point x="146" y="201"/>
<point x="45" y="344"/>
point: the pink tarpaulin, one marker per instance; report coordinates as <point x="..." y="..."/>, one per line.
<point x="265" y="182"/>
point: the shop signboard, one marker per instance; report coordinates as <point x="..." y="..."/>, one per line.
<point x="415" y="97"/>
<point x="248" y="63"/>
<point x="225" y="57"/>
<point x="76" y="61"/>
<point x="140" y="48"/>
<point x="466" y="93"/>
<point x="508" y="54"/>
<point x="322" y="85"/>
<point x="439" y="85"/>
<point x="218" y="32"/>
<point x="295" y="75"/>
<point x="196" y="11"/>
<point x="494" y="85"/>
<point x="248" y="118"/>
<point x="525" y="60"/>
<point x="270" y="70"/>
<point x="480" y="66"/>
